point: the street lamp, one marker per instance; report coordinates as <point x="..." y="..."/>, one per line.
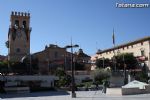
<point x="30" y="63"/>
<point x="103" y="62"/>
<point x="48" y="65"/>
<point x="124" y="65"/>
<point x="72" y="69"/>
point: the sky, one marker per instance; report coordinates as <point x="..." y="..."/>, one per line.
<point x="90" y="23"/>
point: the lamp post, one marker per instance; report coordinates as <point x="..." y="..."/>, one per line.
<point x="103" y="62"/>
<point x="124" y="65"/>
<point x="48" y="65"/>
<point x="30" y="63"/>
<point x="72" y="69"/>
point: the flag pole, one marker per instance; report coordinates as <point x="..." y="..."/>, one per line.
<point x="113" y="37"/>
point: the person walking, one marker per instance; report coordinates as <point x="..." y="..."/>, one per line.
<point x="105" y="85"/>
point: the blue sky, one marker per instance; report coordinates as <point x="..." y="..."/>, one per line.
<point x="90" y="23"/>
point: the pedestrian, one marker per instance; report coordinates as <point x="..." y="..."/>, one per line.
<point x="105" y="85"/>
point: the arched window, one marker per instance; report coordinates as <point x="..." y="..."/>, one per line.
<point x="24" y="24"/>
<point x="142" y="51"/>
<point x="16" y="23"/>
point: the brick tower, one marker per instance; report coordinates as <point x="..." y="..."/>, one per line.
<point x="19" y="36"/>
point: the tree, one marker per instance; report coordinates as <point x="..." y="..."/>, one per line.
<point x="103" y="62"/>
<point x="101" y="74"/>
<point x="64" y="79"/>
<point x="142" y="75"/>
<point x="60" y="72"/>
<point x="125" y="59"/>
<point x="3" y="67"/>
<point x="18" y="67"/>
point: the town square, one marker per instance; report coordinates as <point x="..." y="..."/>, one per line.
<point x="78" y="49"/>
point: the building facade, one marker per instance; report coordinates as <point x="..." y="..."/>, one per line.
<point x="54" y="57"/>
<point x="139" y="48"/>
<point x="50" y="58"/>
<point x="83" y="59"/>
<point x="19" y="36"/>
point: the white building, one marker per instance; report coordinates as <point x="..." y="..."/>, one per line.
<point x="140" y="49"/>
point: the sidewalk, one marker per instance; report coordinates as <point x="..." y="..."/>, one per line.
<point x="81" y="95"/>
<point x="114" y="91"/>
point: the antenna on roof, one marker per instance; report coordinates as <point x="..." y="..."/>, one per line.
<point x="96" y="46"/>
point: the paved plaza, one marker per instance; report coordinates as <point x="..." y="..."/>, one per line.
<point x="81" y="95"/>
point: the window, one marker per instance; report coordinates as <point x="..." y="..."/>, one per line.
<point x="24" y="24"/>
<point x="56" y="54"/>
<point x="16" y="23"/>
<point x="18" y="50"/>
<point x="127" y="47"/>
<point x="141" y="43"/>
<point x="118" y="52"/>
<point x="142" y="53"/>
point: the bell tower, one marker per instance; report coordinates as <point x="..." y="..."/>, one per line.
<point x="19" y="36"/>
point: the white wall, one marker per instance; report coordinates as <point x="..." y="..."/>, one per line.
<point x="46" y="81"/>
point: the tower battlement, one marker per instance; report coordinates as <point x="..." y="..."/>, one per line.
<point x="14" y="13"/>
<point x="20" y="19"/>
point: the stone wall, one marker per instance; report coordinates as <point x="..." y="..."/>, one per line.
<point x="131" y="91"/>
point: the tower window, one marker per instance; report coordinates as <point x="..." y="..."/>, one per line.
<point x="16" y="23"/>
<point x="24" y="24"/>
<point x="18" y="50"/>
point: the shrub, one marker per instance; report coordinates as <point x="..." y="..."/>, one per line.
<point x="100" y="75"/>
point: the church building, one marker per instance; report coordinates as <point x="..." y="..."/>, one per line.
<point x="19" y="36"/>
